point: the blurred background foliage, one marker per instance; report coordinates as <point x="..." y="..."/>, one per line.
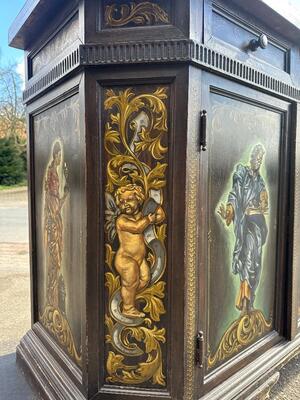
<point x="12" y="128"/>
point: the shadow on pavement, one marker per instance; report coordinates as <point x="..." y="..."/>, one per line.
<point x="13" y="385"/>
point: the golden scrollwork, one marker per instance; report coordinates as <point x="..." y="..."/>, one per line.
<point x="56" y="323"/>
<point x="241" y="333"/>
<point x="191" y="263"/>
<point x="144" y="371"/>
<point x="145" y="13"/>
<point x="135" y="178"/>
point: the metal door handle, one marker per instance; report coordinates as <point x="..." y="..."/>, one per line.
<point x="202" y="138"/>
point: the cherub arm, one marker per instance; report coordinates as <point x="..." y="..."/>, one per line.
<point x="159" y="215"/>
<point x="139" y="226"/>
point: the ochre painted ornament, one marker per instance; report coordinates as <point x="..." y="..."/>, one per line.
<point x="145" y="13"/>
<point x="135" y="231"/>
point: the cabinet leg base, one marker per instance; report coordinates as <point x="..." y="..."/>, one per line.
<point x="43" y="371"/>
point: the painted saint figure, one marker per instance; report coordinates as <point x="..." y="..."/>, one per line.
<point x="246" y="207"/>
<point x="130" y="260"/>
<point x="53" y="227"/>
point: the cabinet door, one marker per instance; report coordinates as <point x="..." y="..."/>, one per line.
<point x="244" y="192"/>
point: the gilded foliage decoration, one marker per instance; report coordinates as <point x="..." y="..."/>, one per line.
<point x="145" y="13"/>
<point x="241" y="333"/>
<point x="150" y="139"/>
<point x="53" y="320"/>
<point x="134" y="142"/>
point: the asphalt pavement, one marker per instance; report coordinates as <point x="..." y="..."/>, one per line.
<point x="15" y="292"/>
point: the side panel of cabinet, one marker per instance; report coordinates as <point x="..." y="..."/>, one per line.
<point x="136" y="126"/>
<point x="244" y="224"/>
<point x="138" y="275"/>
<point x="58" y="205"/>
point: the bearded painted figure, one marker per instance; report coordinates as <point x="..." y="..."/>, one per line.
<point x="246" y="207"/>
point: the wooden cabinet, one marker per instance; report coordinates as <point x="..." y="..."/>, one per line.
<point x="164" y="187"/>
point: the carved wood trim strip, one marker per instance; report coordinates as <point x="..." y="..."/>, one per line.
<point x="182" y="50"/>
<point x="62" y="68"/>
<point x="203" y="55"/>
<point x="138" y="52"/>
<point x="296" y="239"/>
<point x="191" y="265"/>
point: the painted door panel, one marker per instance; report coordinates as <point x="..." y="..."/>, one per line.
<point x="59" y="192"/>
<point x="245" y="202"/>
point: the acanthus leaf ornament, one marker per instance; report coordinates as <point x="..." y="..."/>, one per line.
<point x="145" y="13"/>
<point x="135" y="178"/>
<point x="241" y="333"/>
<point x="55" y="322"/>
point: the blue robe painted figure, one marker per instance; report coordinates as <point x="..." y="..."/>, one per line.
<point x="246" y="207"/>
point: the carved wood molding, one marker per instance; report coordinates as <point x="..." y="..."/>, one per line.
<point x="296" y="239"/>
<point x="183" y="50"/>
<point x="40" y="361"/>
<point x="53" y="74"/>
<point x="159" y="51"/>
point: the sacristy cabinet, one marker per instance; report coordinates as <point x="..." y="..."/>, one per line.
<point x="164" y="186"/>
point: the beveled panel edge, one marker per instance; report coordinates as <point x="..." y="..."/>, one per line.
<point x="39" y="363"/>
<point x="243" y="383"/>
<point x="295" y="323"/>
<point x="57" y="352"/>
<point x="159" y="51"/>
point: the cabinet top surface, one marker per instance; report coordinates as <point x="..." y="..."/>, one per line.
<point x="35" y="14"/>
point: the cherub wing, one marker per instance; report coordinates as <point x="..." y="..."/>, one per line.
<point x="111" y="214"/>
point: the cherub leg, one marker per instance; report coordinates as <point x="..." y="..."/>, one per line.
<point x="129" y="271"/>
<point x="144" y="275"/>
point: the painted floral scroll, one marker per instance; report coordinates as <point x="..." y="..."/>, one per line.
<point x="136" y="136"/>
<point x="136" y="14"/>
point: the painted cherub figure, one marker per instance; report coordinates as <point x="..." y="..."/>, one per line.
<point x="130" y="260"/>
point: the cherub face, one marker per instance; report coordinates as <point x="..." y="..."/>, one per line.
<point x="128" y="203"/>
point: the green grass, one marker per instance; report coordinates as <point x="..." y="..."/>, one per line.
<point x="20" y="184"/>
